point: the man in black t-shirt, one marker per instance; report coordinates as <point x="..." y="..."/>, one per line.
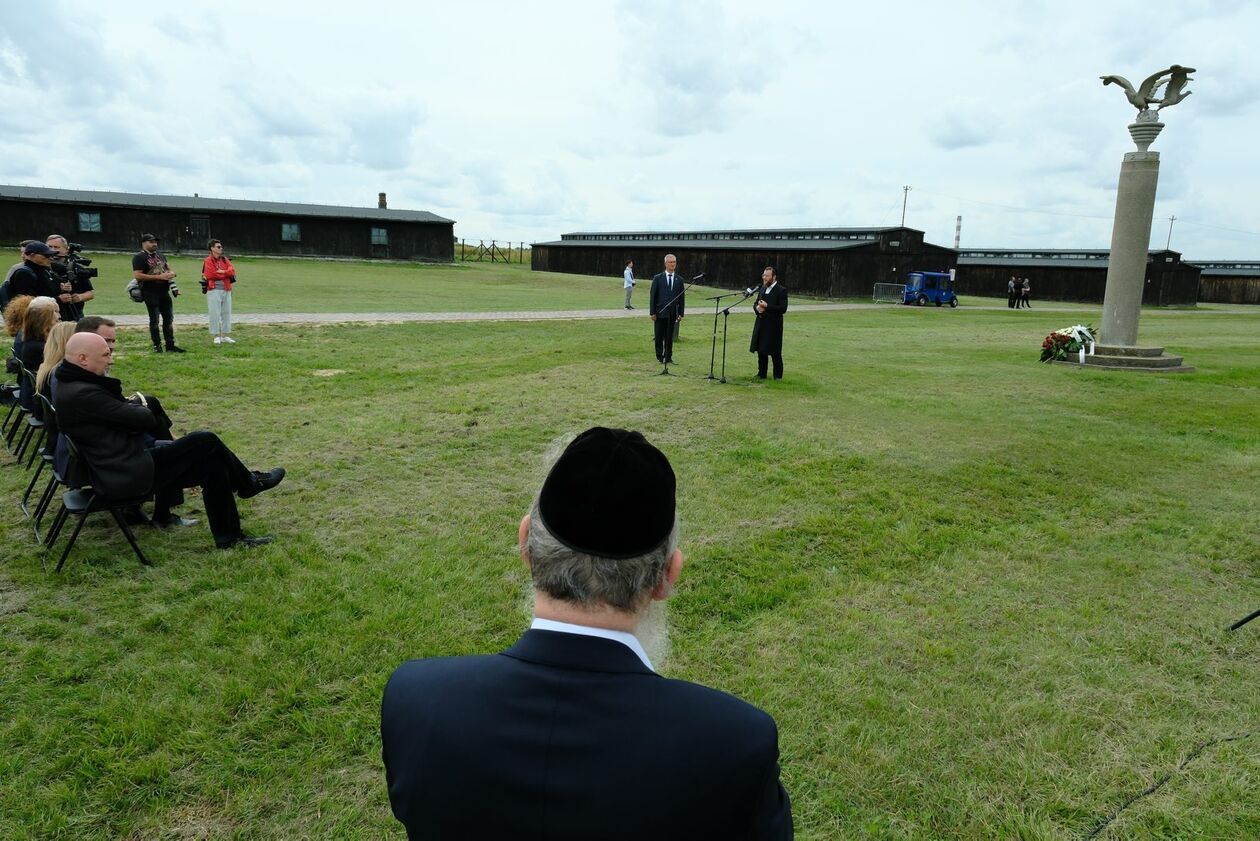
<point x="155" y="276"/>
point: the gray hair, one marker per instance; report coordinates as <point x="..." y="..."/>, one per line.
<point x="589" y="580"/>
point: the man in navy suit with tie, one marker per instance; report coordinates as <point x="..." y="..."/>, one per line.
<point x="571" y="734"/>
<point x="666" y="301"/>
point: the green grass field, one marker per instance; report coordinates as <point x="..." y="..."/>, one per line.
<point x="983" y="597"/>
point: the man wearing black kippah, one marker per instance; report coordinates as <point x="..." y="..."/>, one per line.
<point x="571" y="734"/>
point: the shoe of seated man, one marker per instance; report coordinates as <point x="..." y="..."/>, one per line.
<point x="171" y="520"/>
<point x="228" y="340"/>
<point x="244" y="541"/>
<point x="135" y="516"/>
<point x="263" y="482"/>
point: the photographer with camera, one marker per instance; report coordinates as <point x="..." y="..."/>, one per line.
<point x="150" y="268"/>
<point x="73" y="276"/>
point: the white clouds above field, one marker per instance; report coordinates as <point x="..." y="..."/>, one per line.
<point x="522" y="121"/>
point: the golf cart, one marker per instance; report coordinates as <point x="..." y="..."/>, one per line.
<point x="937" y="288"/>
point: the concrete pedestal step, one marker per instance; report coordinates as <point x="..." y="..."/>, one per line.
<point x="1116" y="358"/>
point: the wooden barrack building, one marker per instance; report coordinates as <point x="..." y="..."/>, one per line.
<point x="107" y="221"/>
<point x="835" y="262"/>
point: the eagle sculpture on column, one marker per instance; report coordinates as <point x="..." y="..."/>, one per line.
<point x="1173" y="81"/>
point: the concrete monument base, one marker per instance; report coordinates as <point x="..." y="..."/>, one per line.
<point x="1132" y="358"/>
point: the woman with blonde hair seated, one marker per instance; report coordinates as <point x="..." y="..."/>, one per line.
<point x="41" y="315"/>
<point x="54" y="353"/>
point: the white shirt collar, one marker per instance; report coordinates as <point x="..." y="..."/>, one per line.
<point x="626" y="639"/>
<point x="771" y="286"/>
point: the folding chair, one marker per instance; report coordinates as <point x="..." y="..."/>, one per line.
<point x="82" y="501"/>
<point x="45" y="458"/>
<point x="23" y="420"/>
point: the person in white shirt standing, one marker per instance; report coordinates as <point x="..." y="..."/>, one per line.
<point x="628" y="275"/>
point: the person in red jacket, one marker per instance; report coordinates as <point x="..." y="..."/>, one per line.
<point x="217" y="275"/>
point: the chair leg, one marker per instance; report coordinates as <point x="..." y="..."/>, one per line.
<point x="30" y="487"/>
<point x="131" y="537"/>
<point x="14" y="427"/>
<point x="45" y="500"/>
<point x="58" y="523"/>
<point x="25" y="439"/>
<point x="40" y="439"/>
<point x="74" y="535"/>
<point x="8" y="416"/>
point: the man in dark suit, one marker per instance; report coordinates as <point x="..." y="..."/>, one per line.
<point x="115" y="439"/>
<point x="571" y="734"/>
<point x="767" y="335"/>
<point x="666" y="303"/>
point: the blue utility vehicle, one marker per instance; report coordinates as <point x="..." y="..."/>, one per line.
<point x="937" y="288"/>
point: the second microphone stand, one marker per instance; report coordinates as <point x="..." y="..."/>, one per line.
<point x="726" y="314"/>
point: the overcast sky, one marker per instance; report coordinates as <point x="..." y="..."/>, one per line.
<point x="528" y="120"/>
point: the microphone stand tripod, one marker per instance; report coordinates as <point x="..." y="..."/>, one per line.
<point x="716" y="299"/>
<point x="1244" y="620"/>
<point x="726" y="315"/>
<point x="669" y="330"/>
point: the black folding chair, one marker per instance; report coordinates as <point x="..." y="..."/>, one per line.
<point x="81" y="501"/>
<point x="45" y="458"/>
<point x="33" y="431"/>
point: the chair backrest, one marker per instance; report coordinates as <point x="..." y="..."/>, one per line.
<point x="48" y="415"/>
<point x="77" y="475"/>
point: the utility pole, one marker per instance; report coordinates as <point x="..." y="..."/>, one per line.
<point x="1168" y="244"/>
<point x="905" y="194"/>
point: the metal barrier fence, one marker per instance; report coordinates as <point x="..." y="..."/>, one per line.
<point x="493" y="252"/>
<point x="889" y="293"/>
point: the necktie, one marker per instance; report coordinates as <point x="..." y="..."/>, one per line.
<point x="670" y="278"/>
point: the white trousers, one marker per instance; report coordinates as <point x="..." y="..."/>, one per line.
<point x="220" y="303"/>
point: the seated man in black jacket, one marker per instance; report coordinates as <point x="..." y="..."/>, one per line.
<point x="109" y="432"/>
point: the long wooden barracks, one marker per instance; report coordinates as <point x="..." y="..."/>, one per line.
<point x="835" y="262"/>
<point x="107" y="221"/>
<point x="847" y="262"/>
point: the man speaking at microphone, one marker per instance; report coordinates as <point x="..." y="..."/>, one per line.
<point x="767" y="335"/>
<point x="666" y="308"/>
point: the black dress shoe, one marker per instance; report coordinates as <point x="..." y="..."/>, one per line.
<point x="135" y="516"/>
<point x="175" y="349"/>
<point x="157" y="348"/>
<point x="171" y="520"/>
<point x="244" y="541"/>
<point x="263" y="482"/>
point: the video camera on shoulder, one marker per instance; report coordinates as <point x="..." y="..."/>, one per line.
<point x="74" y="266"/>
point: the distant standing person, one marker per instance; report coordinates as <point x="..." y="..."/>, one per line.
<point x="628" y="276"/>
<point x="767" y="335"/>
<point x="665" y="307"/>
<point x="1025" y="293"/>
<point x="155" y="276"/>
<point x="1012" y="296"/>
<point x="217" y="274"/>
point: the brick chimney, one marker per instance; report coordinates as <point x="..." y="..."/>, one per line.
<point x="380" y="201"/>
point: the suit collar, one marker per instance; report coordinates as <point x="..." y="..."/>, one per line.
<point x="573" y="651"/>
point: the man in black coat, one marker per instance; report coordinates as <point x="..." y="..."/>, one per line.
<point x="114" y="437"/>
<point x="571" y="734"/>
<point x="34" y="276"/>
<point x="666" y="302"/>
<point x="767" y="335"/>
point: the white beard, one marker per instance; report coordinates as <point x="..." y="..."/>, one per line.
<point x="652" y="631"/>
<point x="653" y="634"/>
